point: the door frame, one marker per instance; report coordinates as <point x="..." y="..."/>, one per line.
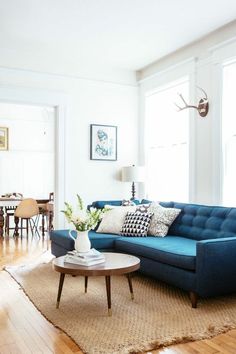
<point x="57" y="100"/>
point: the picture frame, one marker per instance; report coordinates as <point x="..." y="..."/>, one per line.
<point x="103" y="142"/>
<point x="3" y="138"/>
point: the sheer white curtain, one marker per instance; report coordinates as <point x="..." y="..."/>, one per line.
<point x="167" y="143"/>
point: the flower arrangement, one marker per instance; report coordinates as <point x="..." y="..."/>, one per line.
<point x="83" y="219"/>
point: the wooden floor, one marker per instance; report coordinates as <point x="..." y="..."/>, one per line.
<point x="24" y="330"/>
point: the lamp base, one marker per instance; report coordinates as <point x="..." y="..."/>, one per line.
<point x="133" y="191"/>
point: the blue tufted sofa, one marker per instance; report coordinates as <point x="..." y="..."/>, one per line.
<point x="198" y="254"/>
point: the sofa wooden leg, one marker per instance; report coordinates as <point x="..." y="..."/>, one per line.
<point x="194" y="299"/>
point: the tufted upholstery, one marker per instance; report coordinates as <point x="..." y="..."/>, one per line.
<point x="200" y="222"/>
<point x="197" y="222"/>
<point x="197" y="255"/>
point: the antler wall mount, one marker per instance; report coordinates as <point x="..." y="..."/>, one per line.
<point x="203" y="104"/>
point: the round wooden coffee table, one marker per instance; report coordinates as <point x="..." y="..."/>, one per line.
<point x="115" y="264"/>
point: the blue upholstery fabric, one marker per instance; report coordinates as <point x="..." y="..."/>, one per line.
<point x="98" y="240"/>
<point x="177" y="251"/>
<point x="58" y="250"/>
<point x="198" y="254"/>
<point x="101" y="203"/>
<point x="102" y="241"/>
<point x="202" y="222"/>
<point x="182" y="278"/>
<point x="216" y="266"/>
<point x="61" y="238"/>
<point x="145" y="201"/>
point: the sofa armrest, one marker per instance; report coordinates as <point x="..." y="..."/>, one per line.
<point x="216" y="266"/>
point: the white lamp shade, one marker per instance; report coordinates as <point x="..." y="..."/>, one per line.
<point x="133" y="174"/>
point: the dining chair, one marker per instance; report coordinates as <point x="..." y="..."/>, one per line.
<point x="10" y="212"/>
<point x="26" y="210"/>
<point x="42" y="214"/>
<point x="45" y="213"/>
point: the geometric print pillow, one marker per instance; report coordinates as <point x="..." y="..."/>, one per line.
<point x="136" y="224"/>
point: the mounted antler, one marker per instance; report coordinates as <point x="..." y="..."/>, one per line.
<point x="203" y="104"/>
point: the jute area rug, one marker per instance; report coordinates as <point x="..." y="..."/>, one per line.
<point x="159" y="315"/>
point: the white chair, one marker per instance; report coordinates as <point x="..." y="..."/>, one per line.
<point x="26" y="210"/>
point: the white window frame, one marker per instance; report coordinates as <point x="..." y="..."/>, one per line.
<point x="159" y="90"/>
<point x="176" y="73"/>
<point x="221" y="56"/>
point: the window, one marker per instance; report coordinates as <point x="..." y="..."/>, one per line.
<point x="167" y="143"/>
<point x="229" y="134"/>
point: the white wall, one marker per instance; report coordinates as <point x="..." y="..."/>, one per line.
<point x="88" y="102"/>
<point x="28" y="165"/>
<point x="202" y="61"/>
<point x="116" y="102"/>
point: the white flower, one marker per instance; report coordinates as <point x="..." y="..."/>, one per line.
<point x="83" y="219"/>
<point x="82" y="215"/>
<point x="92" y="209"/>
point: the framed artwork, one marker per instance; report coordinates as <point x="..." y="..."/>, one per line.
<point x="3" y="138"/>
<point x="103" y="142"/>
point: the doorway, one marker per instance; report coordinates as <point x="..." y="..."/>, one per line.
<point x="27" y="165"/>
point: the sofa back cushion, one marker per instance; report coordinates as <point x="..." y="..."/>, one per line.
<point x="201" y="222"/>
<point x="100" y="204"/>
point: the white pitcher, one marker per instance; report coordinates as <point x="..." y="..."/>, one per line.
<point x="82" y="242"/>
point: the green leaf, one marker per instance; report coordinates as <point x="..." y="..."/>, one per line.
<point x="80" y="202"/>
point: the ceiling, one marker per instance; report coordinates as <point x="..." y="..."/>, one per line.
<point x="122" y="34"/>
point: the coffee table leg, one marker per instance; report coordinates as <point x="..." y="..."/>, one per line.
<point x="108" y="287"/>
<point x="85" y="284"/>
<point x="130" y="286"/>
<point x="61" y="281"/>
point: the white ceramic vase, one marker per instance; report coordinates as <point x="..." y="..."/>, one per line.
<point x="82" y="242"/>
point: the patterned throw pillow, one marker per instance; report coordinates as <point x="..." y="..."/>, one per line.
<point x="127" y="202"/>
<point x="136" y="224"/>
<point x="143" y="208"/>
<point x="162" y="219"/>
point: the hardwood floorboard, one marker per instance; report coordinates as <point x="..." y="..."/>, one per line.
<point x="23" y="330"/>
<point x="202" y="347"/>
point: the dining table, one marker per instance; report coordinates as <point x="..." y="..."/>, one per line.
<point x="46" y="209"/>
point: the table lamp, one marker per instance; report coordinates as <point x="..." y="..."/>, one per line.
<point x="133" y="174"/>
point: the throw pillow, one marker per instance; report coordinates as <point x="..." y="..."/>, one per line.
<point x="162" y="219"/>
<point x="127" y="202"/>
<point x="143" y="208"/>
<point x="113" y="220"/>
<point x="136" y="224"/>
<point x="108" y="206"/>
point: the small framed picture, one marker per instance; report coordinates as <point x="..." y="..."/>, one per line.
<point x="3" y="138"/>
<point x="103" y="142"/>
